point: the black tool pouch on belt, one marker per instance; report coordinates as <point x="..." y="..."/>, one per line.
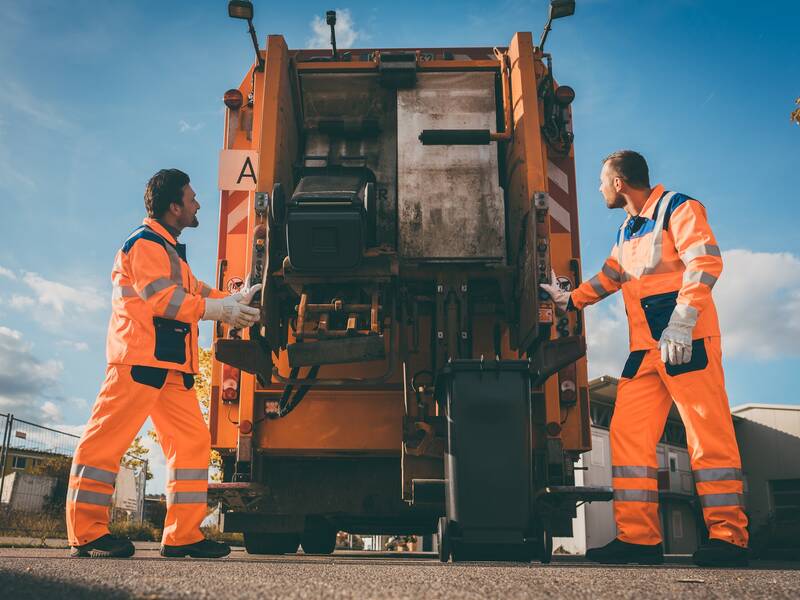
<point x="658" y="310"/>
<point x="170" y="340"/>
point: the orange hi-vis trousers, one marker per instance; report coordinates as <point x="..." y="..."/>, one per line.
<point x="128" y="396"/>
<point x="645" y="394"/>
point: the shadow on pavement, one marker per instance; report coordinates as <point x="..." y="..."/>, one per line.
<point x="21" y="586"/>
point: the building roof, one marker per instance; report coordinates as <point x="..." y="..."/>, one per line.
<point x="755" y="405"/>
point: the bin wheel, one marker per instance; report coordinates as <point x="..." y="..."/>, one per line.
<point x="545" y="546"/>
<point x="318" y="538"/>
<point x="445" y="545"/>
<point x="256" y="542"/>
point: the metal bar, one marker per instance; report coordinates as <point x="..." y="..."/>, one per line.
<point x="4" y="451"/>
<point x="342" y="382"/>
<point x="315" y="308"/>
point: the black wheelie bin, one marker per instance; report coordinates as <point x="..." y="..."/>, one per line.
<point x="488" y="462"/>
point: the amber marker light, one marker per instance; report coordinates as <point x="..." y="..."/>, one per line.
<point x="565" y="95"/>
<point x="233" y="99"/>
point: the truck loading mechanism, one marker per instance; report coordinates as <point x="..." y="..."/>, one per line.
<point x="407" y="376"/>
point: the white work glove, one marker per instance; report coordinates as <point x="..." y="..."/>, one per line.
<point x="245" y="295"/>
<point x="559" y="296"/>
<point x="676" y="340"/>
<point x="231" y="311"/>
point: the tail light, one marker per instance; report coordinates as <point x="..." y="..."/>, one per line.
<point x="230" y="384"/>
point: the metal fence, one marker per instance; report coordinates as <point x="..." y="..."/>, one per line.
<point x="35" y="462"/>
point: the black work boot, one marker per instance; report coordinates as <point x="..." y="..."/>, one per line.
<point x="718" y="553"/>
<point x="617" y="552"/>
<point x="106" y="546"/>
<point x="201" y="549"/>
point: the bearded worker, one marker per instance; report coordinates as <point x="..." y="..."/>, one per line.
<point x="666" y="262"/>
<point x="152" y="357"/>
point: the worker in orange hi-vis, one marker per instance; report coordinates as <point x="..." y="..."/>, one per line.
<point x="152" y="357"/>
<point x="665" y="261"/>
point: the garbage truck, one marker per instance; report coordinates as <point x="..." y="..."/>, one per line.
<point x="408" y="376"/>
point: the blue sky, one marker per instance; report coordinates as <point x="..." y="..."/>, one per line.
<point x="96" y="96"/>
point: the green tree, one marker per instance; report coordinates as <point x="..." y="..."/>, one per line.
<point x="137" y="457"/>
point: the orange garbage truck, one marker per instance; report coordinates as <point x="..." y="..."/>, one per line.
<point x="400" y="207"/>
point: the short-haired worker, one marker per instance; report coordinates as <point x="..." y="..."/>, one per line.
<point x="665" y="261"/>
<point x="152" y="354"/>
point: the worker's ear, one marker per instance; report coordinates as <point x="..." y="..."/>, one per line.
<point x="618" y="184"/>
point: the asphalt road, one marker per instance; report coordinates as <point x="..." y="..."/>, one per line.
<point x="50" y="573"/>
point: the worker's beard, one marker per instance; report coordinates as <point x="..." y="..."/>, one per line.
<point x="194" y="222"/>
<point x="617" y="202"/>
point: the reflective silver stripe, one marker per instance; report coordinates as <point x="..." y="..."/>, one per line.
<point x="700" y="250"/>
<point x="719" y="474"/>
<point x="648" y="472"/>
<point x="711" y="500"/>
<point x="620" y="240"/>
<point x="174" y="265"/>
<point x="699" y="277"/>
<point x="598" y="287"/>
<point x="665" y="266"/>
<point x="611" y="272"/>
<point x="123" y="291"/>
<point x="205" y="291"/>
<point x="156" y="286"/>
<point x="187" y="497"/>
<point x="93" y="473"/>
<point x="636" y="496"/>
<point x="88" y="497"/>
<point x="188" y="474"/>
<point x="175" y="303"/>
<point x="658" y="230"/>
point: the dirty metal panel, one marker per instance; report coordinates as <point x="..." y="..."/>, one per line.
<point x="354" y="98"/>
<point x="450" y="204"/>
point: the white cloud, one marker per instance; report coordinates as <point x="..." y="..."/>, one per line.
<point x="59" y="296"/>
<point x="184" y="126"/>
<point x="25" y="380"/>
<point x="15" y="96"/>
<point x="7" y="273"/>
<point x="50" y="411"/>
<point x="21" y="302"/>
<point x="346" y="33"/>
<point x="606" y="337"/>
<point x="757" y="299"/>
<point x="77" y="346"/>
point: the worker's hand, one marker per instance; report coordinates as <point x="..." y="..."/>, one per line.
<point x="676" y="340"/>
<point x="231" y="311"/>
<point x="559" y="296"/>
<point x="245" y="295"/>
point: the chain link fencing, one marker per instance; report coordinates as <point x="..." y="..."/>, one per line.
<point x="35" y="463"/>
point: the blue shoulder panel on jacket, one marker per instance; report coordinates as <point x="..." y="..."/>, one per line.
<point x="142" y="233"/>
<point x="674" y="203"/>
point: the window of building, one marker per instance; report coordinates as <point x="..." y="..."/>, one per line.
<point x="601" y="415"/>
<point x="785" y="494"/>
<point x="19" y="462"/>
<point x="673" y="462"/>
<point x="674" y="433"/>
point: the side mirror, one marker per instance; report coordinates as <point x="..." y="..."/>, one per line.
<point x="561" y="8"/>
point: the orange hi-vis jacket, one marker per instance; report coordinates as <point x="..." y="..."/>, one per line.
<point x="665" y="257"/>
<point x="156" y="303"/>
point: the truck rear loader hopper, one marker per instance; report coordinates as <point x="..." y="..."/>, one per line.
<point x="400" y="208"/>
